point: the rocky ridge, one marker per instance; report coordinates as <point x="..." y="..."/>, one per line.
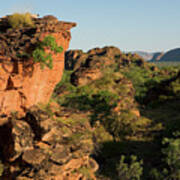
<point x="100" y="73"/>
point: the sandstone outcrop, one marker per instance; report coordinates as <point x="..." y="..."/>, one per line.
<point x="48" y="143"/>
<point x="22" y="82"/>
<point x="76" y="58"/>
<point x="72" y="58"/>
<point x="98" y="65"/>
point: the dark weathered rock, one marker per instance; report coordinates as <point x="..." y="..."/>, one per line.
<point x="22" y="136"/>
<point x="34" y="156"/>
<point x="58" y="153"/>
<point x="71" y="58"/>
<point x="91" y="65"/>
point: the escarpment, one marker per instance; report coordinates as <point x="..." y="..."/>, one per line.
<point x="23" y="83"/>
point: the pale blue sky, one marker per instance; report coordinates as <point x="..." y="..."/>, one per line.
<point x="149" y="25"/>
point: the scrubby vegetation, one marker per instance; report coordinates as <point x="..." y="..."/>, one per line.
<point x="112" y="102"/>
<point x="130" y="171"/>
<point x="1" y="168"/>
<point x="18" y="20"/>
<point x="167" y="64"/>
<point x="39" y="54"/>
<point x="170" y="163"/>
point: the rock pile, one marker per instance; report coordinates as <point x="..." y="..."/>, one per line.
<point x="47" y="144"/>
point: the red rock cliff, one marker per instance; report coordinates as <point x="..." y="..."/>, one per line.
<point x="22" y="82"/>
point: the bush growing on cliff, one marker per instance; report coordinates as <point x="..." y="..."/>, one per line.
<point x="41" y="56"/>
<point x="171" y="170"/>
<point x="20" y="20"/>
<point x="131" y="171"/>
<point x="1" y="169"/>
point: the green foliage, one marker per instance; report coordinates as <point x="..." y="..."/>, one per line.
<point x="101" y="98"/>
<point x="101" y="135"/>
<point x="101" y="104"/>
<point x="175" y="87"/>
<point x="142" y="80"/>
<point x="63" y="85"/>
<point x="167" y="64"/>
<point x="171" y="171"/>
<point x="17" y="20"/>
<point x="1" y="169"/>
<point x="117" y="125"/>
<point x="108" y="101"/>
<point x="85" y="172"/>
<point x="172" y="153"/>
<point x="131" y="171"/>
<point x="39" y="54"/>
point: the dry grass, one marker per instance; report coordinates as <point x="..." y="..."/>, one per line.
<point x="20" y="20"/>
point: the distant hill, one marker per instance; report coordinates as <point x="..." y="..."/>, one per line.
<point x="172" y="55"/>
<point x="154" y="56"/>
<point x="145" y="55"/>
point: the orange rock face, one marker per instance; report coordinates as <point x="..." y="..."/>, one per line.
<point x="23" y="83"/>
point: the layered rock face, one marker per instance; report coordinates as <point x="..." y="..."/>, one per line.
<point x="22" y="82"/>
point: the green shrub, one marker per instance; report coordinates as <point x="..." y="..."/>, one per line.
<point x="119" y="125"/>
<point x="1" y="169"/>
<point x="131" y="171"/>
<point x="172" y="153"/>
<point x="20" y="20"/>
<point x="41" y="56"/>
<point x="171" y="170"/>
